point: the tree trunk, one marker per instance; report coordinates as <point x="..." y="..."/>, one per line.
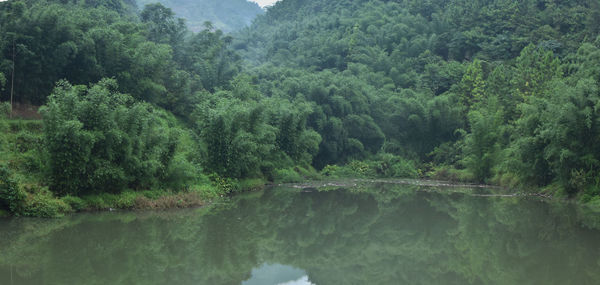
<point x="12" y="80"/>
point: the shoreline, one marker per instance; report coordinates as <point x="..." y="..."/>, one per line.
<point x="166" y="200"/>
<point x="139" y="201"/>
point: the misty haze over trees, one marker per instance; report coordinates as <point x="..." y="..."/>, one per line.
<point x="225" y="15"/>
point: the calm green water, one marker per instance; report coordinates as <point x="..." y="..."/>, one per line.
<point x="379" y="234"/>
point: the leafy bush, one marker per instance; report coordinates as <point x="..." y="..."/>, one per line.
<point x="32" y="162"/>
<point x="45" y="205"/>
<point x="449" y="173"/>
<point x="393" y="166"/>
<point x="25" y="141"/>
<point x="336" y="171"/>
<point x="11" y="196"/>
<point x="18" y="125"/>
<point x="181" y="174"/>
<point x="225" y="185"/>
<point x="286" y="176"/>
<point x="361" y="168"/>
<point x="95" y="202"/>
<point x="251" y="184"/>
<point x="76" y="203"/>
<point x="99" y="140"/>
<point x="4" y="110"/>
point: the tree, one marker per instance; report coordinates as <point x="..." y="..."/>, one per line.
<point x="534" y="68"/>
<point x="100" y="140"/>
<point x="163" y="27"/>
<point x="472" y="84"/>
<point x="484" y="142"/>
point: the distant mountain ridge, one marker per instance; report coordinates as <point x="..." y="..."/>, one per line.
<point x="226" y="15"/>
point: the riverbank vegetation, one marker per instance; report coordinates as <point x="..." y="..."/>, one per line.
<point x="499" y="92"/>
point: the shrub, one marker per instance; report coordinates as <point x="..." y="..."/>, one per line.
<point x="95" y="202"/>
<point x="361" y="168"/>
<point x="76" y="203"/>
<point x="181" y="173"/>
<point x="225" y="185"/>
<point x="388" y="165"/>
<point x="251" y="184"/>
<point x="45" y="205"/>
<point x="26" y="141"/>
<point x="34" y="126"/>
<point x="126" y="200"/>
<point x="335" y="171"/>
<point x="286" y="176"/>
<point x="450" y="173"/>
<point x="99" y="140"/>
<point x="4" y="109"/>
<point x="330" y="171"/>
<point x="32" y="161"/>
<point x="11" y="196"/>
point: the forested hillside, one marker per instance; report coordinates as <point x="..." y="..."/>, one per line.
<point x="501" y="92"/>
<point x="226" y="15"/>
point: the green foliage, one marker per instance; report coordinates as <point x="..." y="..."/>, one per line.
<point x="286" y="176"/>
<point x="152" y="56"/>
<point x="449" y="173"/>
<point x="12" y="198"/>
<point x="387" y="165"/>
<point x="26" y="141"/>
<point x="382" y="166"/>
<point x="76" y="203"/>
<point x="237" y="138"/>
<point x="499" y="92"/>
<point x="100" y="140"/>
<point x="4" y="110"/>
<point x="224" y="185"/>
<point x="472" y="84"/>
<point x="534" y="68"/>
<point x="44" y="204"/>
<point x="482" y="145"/>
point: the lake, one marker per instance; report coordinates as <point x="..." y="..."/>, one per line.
<point x="372" y="233"/>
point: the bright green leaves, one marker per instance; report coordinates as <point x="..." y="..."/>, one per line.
<point x="534" y="68"/>
<point x="249" y="136"/>
<point x="483" y="144"/>
<point x="561" y="131"/>
<point x="238" y="141"/>
<point x="100" y="140"/>
<point x="12" y="197"/>
<point x="472" y="84"/>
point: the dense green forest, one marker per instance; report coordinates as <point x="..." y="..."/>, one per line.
<point x="489" y="91"/>
<point x="225" y="15"/>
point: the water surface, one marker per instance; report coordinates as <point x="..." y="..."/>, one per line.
<point x="376" y="234"/>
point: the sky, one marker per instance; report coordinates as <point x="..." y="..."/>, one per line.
<point x="264" y="3"/>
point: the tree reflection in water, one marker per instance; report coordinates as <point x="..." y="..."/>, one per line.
<point x="380" y="234"/>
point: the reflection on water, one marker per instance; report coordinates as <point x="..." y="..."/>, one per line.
<point x="381" y="234"/>
<point x="277" y="274"/>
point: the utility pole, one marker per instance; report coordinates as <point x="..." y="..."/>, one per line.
<point x="12" y="81"/>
